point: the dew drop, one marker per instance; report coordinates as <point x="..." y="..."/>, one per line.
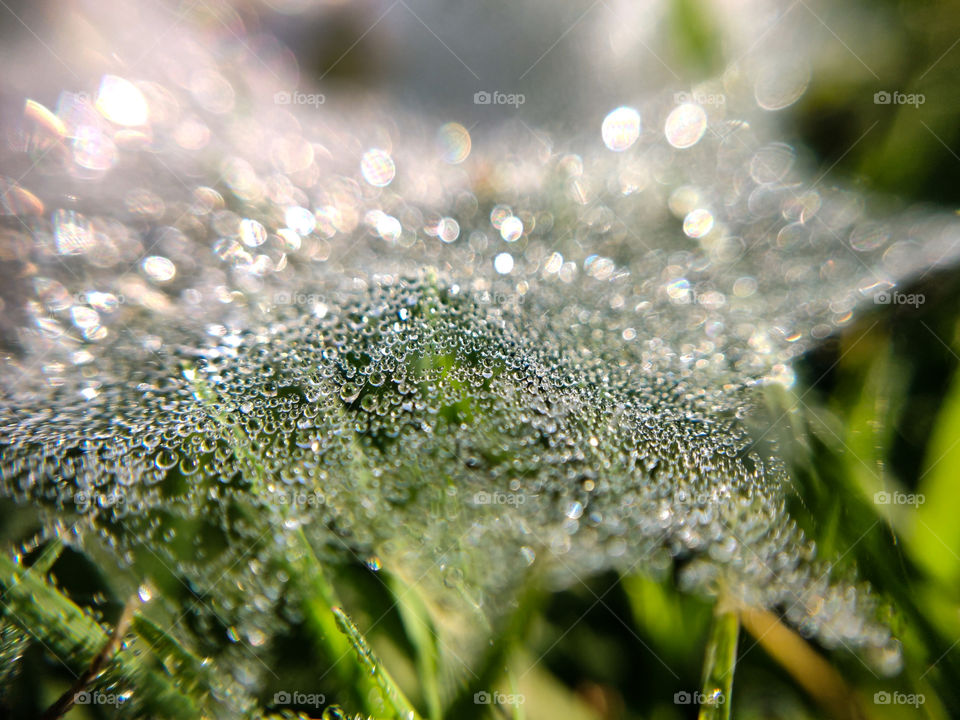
<point x="503" y="263"/>
<point x="377" y="167"/>
<point x="621" y="128"/>
<point x="685" y="125"/>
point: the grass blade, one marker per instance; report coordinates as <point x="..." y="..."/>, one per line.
<point x="719" y="664"/>
<point x="395" y="698"/>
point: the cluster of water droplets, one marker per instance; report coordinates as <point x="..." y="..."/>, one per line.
<point x="228" y="322"/>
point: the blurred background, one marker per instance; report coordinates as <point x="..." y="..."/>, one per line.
<point x="816" y="66"/>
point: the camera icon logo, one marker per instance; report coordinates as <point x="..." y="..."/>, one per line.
<point x="881" y="498"/>
<point x="882" y="298"/>
<point x="81" y="698"/>
<point x="283" y="298"/>
<point x="482" y="97"/>
<point x="282" y="98"/>
<point x="281" y="698"/>
<point x="481" y="698"/>
<point x="82" y="501"/>
<point x="682" y="698"/>
<point x="882" y="97"/>
<point x="881" y="698"/>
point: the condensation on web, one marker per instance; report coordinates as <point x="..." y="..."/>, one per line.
<point x="472" y="361"/>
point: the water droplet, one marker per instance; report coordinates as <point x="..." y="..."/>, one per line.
<point x="165" y="459"/>
<point x="698" y="223"/>
<point x="159" y="269"/>
<point x="621" y="128"/>
<point x="511" y="229"/>
<point x="685" y="125"/>
<point x="252" y="233"/>
<point x="454" y="140"/>
<point x="349" y="392"/>
<point x="300" y="220"/>
<point x="377" y="167"/>
<point x="121" y="102"/>
<point x="503" y="263"/>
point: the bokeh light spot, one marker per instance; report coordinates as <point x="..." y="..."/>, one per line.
<point x="377" y="167"/>
<point x="621" y="128"/>
<point x="685" y="125"/>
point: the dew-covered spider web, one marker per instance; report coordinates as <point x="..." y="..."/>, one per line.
<point x="227" y="321"/>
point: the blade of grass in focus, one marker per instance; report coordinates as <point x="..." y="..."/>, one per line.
<point x="719" y="665"/>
